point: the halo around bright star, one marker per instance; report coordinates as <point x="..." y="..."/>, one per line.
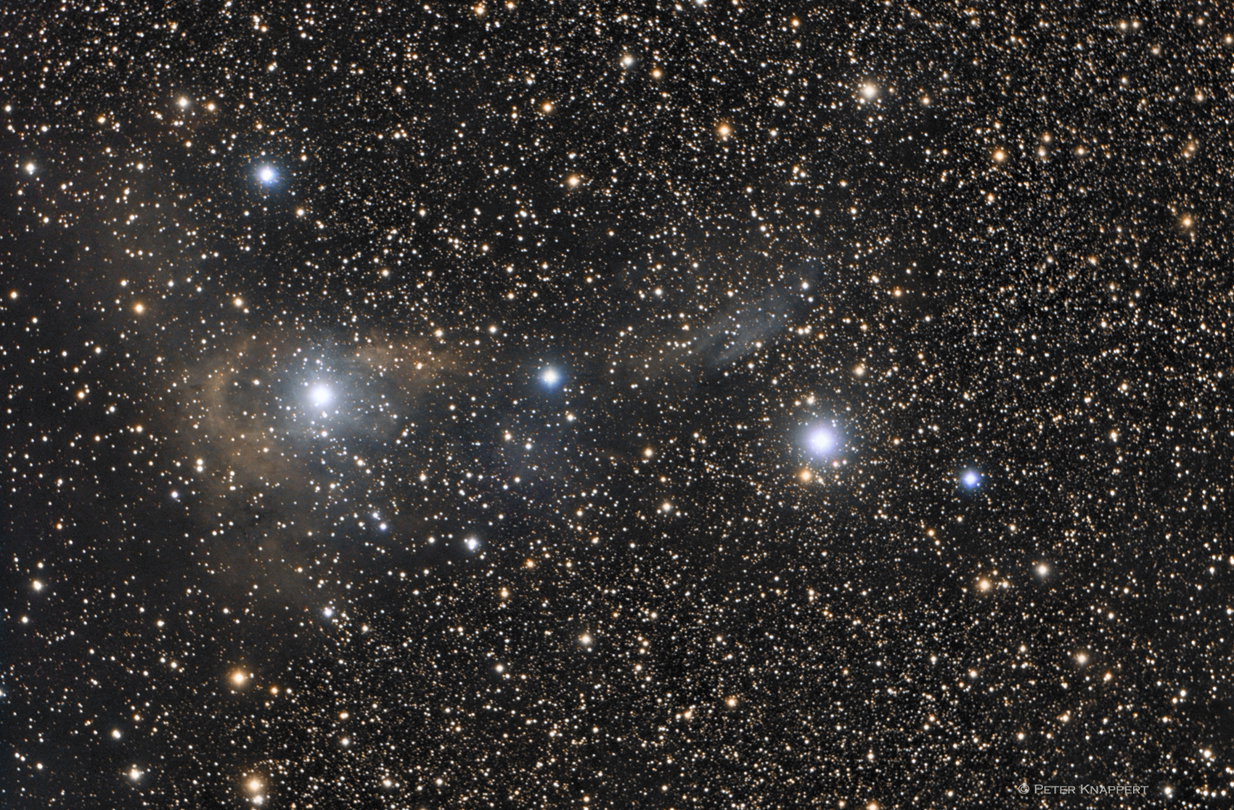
<point x="971" y="479"/>
<point x="321" y="395"/>
<point x="822" y="440"/>
<point x="551" y="376"/>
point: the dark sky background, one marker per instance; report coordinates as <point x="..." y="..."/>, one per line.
<point x="588" y="405"/>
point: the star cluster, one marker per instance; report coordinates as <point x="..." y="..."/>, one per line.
<point x="688" y="405"/>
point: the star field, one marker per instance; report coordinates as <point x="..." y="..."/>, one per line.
<point x="591" y="405"/>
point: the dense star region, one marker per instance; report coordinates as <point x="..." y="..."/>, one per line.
<point x="588" y="405"/>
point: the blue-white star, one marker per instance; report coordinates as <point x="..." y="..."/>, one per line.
<point x="822" y="440"/>
<point x="321" y="395"/>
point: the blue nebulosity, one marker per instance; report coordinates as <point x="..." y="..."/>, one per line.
<point x="648" y="358"/>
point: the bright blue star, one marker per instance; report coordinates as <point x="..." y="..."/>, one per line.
<point x="551" y="376"/>
<point x="822" y="440"/>
<point x="321" y="395"/>
<point x="971" y="479"/>
<point x="267" y="174"/>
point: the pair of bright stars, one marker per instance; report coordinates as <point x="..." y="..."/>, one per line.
<point x="321" y="394"/>
<point x="824" y="440"/>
